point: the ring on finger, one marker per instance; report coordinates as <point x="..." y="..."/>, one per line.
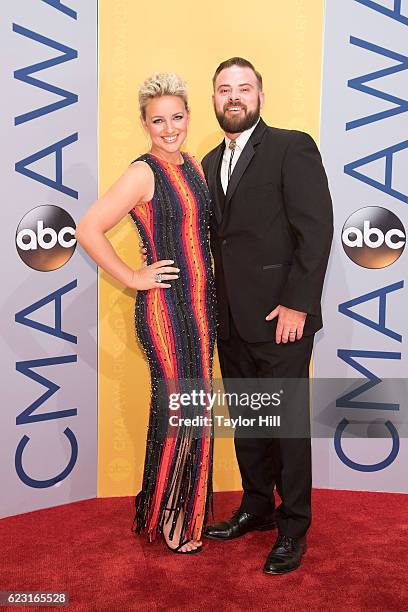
<point x="158" y="277"/>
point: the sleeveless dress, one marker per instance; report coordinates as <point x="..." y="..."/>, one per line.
<point x="176" y="328"/>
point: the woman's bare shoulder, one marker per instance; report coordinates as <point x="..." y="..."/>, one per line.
<point x="140" y="173"/>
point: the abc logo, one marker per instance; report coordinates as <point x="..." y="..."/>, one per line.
<point x="373" y="237"/>
<point x="45" y="238"/>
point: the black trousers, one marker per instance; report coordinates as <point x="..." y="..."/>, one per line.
<point x="266" y="462"/>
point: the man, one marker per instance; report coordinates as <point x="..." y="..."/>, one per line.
<point x="271" y="234"/>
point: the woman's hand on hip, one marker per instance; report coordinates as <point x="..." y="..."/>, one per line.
<point x="154" y="276"/>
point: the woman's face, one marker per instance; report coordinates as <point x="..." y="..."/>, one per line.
<point x="166" y="123"/>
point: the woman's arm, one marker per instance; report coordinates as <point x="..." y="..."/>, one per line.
<point x="136" y="185"/>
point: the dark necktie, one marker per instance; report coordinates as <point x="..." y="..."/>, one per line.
<point x="231" y="146"/>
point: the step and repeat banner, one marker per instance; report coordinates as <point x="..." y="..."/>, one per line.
<point x="334" y="69"/>
<point x="284" y="41"/>
<point x="365" y="149"/>
<point x="48" y="302"/>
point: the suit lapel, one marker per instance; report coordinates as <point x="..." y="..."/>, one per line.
<point x="243" y="161"/>
<point x="213" y="180"/>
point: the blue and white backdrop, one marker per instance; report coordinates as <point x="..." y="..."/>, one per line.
<point x="365" y="149"/>
<point x="48" y="302"/>
<point x="48" y="418"/>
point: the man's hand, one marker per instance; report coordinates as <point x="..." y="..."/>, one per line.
<point x="290" y="323"/>
<point x="143" y="251"/>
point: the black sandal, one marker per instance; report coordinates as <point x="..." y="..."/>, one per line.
<point x="177" y="549"/>
<point x="180" y="552"/>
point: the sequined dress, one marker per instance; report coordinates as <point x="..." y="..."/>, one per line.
<point x="176" y="328"/>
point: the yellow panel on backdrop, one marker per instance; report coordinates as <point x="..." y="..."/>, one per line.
<point x="284" y="41"/>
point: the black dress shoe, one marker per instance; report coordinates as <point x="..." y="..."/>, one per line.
<point x="239" y="524"/>
<point x="285" y="555"/>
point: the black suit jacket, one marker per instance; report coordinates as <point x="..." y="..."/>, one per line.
<point x="271" y="244"/>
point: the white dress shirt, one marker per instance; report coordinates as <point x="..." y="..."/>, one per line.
<point x="240" y="143"/>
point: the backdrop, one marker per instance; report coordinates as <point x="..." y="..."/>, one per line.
<point x="363" y="142"/>
<point x="48" y="301"/>
<point x="336" y="70"/>
<point x="284" y="41"/>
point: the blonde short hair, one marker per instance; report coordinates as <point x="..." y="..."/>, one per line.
<point x="161" y="84"/>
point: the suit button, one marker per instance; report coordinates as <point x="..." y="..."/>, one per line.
<point x="224" y="242"/>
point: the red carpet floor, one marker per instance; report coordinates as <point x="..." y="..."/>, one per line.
<point x="357" y="560"/>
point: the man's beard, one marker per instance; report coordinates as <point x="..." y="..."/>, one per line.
<point x="237" y="125"/>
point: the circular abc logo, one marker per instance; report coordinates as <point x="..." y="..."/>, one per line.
<point x="45" y="238"/>
<point x="373" y="237"/>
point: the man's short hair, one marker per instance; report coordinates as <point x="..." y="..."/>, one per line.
<point x="238" y="61"/>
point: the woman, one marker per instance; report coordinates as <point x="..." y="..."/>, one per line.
<point x="166" y="195"/>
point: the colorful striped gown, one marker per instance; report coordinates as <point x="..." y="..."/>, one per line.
<point x="176" y="328"/>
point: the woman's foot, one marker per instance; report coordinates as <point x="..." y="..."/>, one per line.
<point x="188" y="546"/>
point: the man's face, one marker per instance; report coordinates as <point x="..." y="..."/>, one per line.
<point x="237" y="99"/>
